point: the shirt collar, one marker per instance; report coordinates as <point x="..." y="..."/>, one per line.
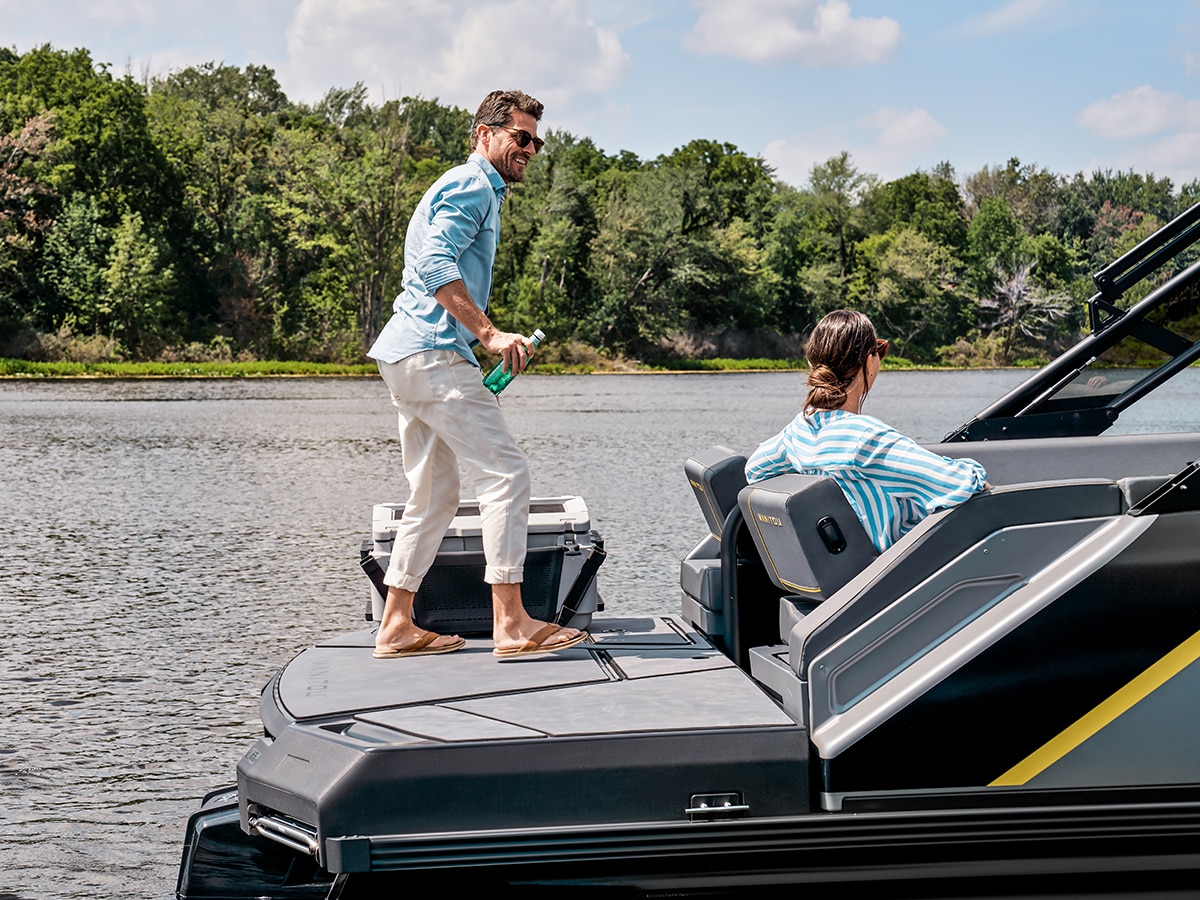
<point x="489" y="170"/>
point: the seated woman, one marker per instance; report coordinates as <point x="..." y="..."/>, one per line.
<point x="891" y="482"/>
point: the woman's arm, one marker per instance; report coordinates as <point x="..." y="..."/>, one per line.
<point x="771" y="458"/>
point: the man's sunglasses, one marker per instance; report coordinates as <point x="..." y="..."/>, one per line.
<point x="523" y="137"/>
<point x="881" y="348"/>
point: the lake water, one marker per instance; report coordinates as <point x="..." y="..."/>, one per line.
<point x="166" y="545"/>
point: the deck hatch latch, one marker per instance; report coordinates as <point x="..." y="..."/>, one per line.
<point x="715" y="807"/>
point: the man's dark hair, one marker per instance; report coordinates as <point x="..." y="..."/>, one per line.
<point x="498" y="107"/>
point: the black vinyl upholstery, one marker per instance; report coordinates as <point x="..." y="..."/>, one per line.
<point x="716" y="475"/>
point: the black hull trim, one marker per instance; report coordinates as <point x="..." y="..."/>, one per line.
<point x="893" y="883"/>
<point x="1153" y="837"/>
<point x="1117" y="850"/>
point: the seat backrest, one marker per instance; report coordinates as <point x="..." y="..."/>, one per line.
<point x="716" y="476"/>
<point x="810" y="539"/>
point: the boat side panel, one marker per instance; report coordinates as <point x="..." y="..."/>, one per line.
<point x="628" y="730"/>
<point x="1102" y="750"/>
<point x="947" y="601"/>
<point x="1047" y="674"/>
<point x="339" y="788"/>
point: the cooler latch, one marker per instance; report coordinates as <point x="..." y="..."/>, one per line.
<point x="715" y="807"/>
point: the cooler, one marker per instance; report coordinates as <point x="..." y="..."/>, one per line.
<point x="560" y="568"/>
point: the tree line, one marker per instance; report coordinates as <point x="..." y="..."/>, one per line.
<point x="202" y="215"/>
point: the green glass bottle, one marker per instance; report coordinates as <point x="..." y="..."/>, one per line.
<point x="498" y="379"/>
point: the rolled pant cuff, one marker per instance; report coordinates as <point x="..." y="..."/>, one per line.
<point x="504" y="574"/>
<point x="402" y="580"/>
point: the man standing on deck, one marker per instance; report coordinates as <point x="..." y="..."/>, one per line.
<point x="447" y="416"/>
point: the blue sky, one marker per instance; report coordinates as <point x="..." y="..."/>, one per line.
<point x="1072" y="85"/>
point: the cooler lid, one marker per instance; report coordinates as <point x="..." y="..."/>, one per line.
<point x="547" y="515"/>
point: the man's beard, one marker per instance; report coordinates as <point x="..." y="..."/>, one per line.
<point x="510" y="171"/>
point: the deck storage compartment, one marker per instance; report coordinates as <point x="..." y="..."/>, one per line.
<point x="560" y="567"/>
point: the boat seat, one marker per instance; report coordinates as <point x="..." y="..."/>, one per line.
<point x="810" y="539"/>
<point x="716" y="475"/>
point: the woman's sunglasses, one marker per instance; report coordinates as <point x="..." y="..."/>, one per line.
<point x="881" y="348"/>
<point x="523" y="137"/>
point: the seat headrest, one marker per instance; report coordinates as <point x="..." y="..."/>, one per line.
<point x="716" y="476"/>
<point x="808" y="535"/>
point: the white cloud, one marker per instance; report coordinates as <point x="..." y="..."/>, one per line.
<point x="888" y="143"/>
<point x="805" y="31"/>
<point x="905" y="130"/>
<point x="1011" y="16"/>
<point x="453" y="50"/>
<point x="1178" y="155"/>
<point x="1139" y="112"/>
<point x="1158" y="131"/>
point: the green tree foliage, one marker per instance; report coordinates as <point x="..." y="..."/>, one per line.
<point x="736" y="185"/>
<point x="365" y="184"/>
<point x="910" y="286"/>
<point x="217" y="124"/>
<point x="72" y="264"/>
<point x="994" y="241"/>
<point x="437" y="132"/>
<point x="21" y="219"/>
<point x="929" y="203"/>
<point x="549" y="222"/>
<point x="794" y="251"/>
<point x="102" y="143"/>
<point x="204" y="209"/>
<point x="836" y="226"/>
<point x="102" y="155"/>
<point x="1031" y="193"/>
<point x="136" y="288"/>
<point x="638" y="258"/>
<point x="1083" y="200"/>
<point x="680" y="243"/>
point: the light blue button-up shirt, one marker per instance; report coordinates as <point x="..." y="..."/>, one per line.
<point x="453" y="234"/>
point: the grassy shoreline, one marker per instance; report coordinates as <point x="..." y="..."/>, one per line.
<point x="16" y="369"/>
<point x="23" y="369"/>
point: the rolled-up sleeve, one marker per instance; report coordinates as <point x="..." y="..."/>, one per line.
<point x="911" y="472"/>
<point x="456" y="215"/>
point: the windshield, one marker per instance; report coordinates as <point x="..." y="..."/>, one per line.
<point x="1136" y="361"/>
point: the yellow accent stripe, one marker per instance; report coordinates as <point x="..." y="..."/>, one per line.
<point x="716" y="517"/>
<point x="1123" y="700"/>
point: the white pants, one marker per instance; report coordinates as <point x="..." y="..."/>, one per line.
<point x="447" y="416"/>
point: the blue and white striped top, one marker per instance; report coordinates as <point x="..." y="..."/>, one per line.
<point x="890" y="480"/>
